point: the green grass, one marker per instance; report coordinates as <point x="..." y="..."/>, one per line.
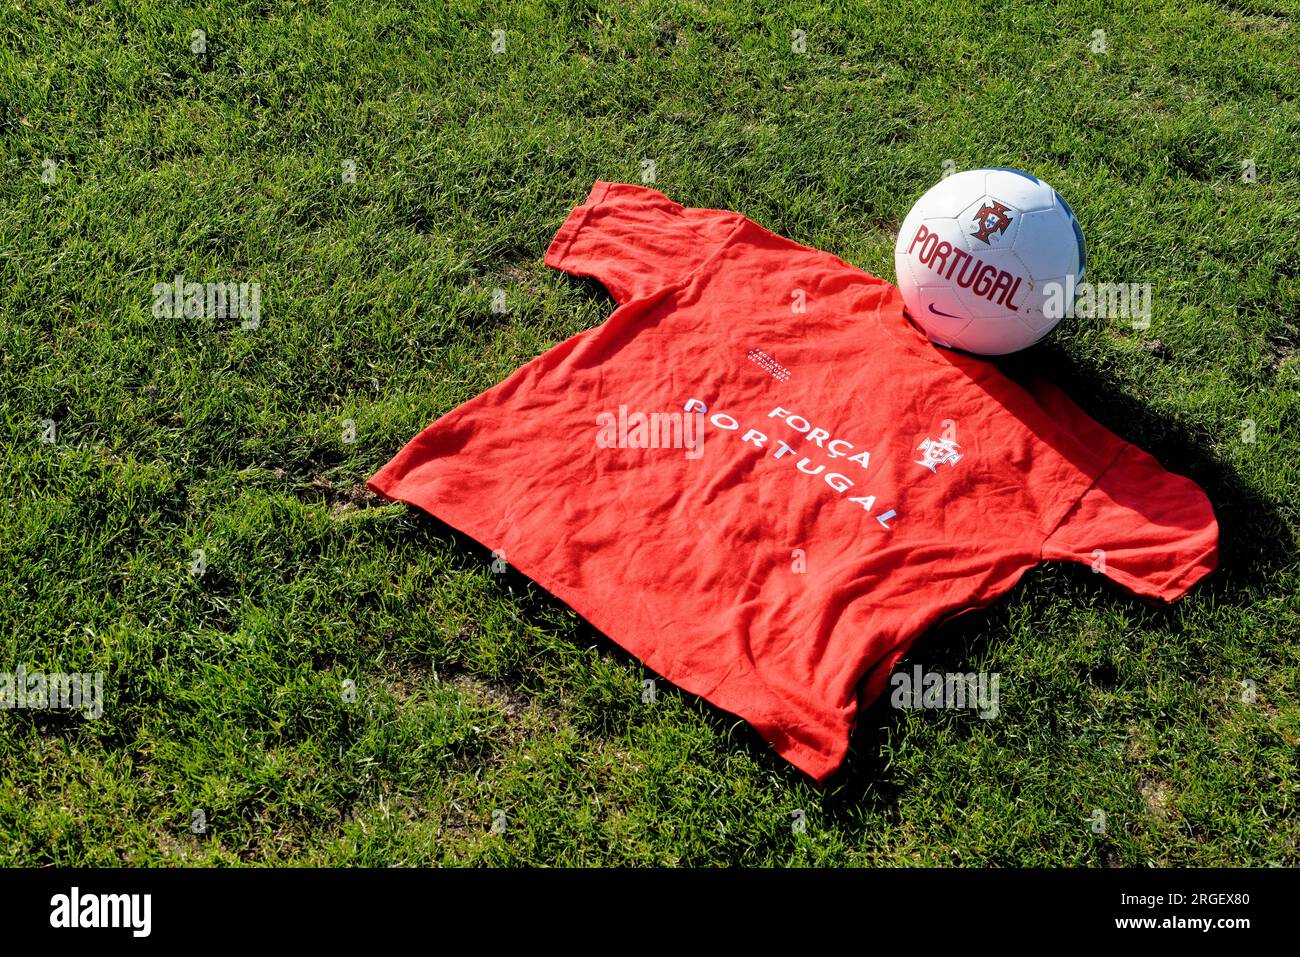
<point x="478" y="693"/>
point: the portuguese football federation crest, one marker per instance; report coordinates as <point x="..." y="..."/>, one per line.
<point x="992" y="217"/>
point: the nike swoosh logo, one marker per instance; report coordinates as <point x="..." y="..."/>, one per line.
<point x="939" y="312"/>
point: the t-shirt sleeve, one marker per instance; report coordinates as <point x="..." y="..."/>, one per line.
<point x="1145" y="528"/>
<point x="636" y="240"/>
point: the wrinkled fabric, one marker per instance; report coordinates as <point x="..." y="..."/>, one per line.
<point x="855" y="484"/>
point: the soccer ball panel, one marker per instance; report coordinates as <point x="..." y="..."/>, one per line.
<point x="998" y="337"/>
<point x="1047" y="244"/>
<point x="1034" y="311"/>
<point x="944" y="314"/>
<point x="1024" y="192"/>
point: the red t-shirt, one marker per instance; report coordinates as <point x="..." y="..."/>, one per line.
<point x="855" y="484"/>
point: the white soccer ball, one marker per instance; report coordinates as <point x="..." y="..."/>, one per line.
<point x="988" y="260"/>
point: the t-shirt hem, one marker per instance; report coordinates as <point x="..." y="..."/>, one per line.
<point x="731" y="695"/>
<point x="1182" y="581"/>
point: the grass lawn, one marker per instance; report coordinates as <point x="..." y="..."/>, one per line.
<point x="347" y="682"/>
